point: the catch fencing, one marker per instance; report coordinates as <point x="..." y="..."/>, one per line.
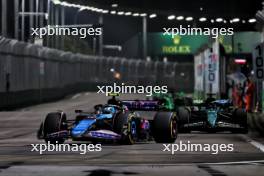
<point x="32" y="73"/>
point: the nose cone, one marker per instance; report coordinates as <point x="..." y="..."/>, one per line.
<point x="212" y="116"/>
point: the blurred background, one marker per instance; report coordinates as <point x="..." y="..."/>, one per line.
<point x="131" y="48"/>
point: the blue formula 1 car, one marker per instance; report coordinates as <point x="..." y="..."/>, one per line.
<point x="212" y="116"/>
<point x="120" y="123"/>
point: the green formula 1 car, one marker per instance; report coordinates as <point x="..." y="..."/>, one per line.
<point x="171" y="101"/>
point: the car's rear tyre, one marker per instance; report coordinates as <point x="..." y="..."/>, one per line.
<point x="125" y="124"/>
<point x="188" y="101"/>
<point x="53" y="123"/>
<point x="164" y="127"/>
<point x="183" y="116"/>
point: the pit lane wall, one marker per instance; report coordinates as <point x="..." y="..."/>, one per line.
<point x="32" y="74"/>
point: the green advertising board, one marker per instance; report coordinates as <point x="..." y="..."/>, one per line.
<point x="159" y="44"/>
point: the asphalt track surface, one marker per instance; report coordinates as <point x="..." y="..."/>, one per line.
<point x="18" y="131"/>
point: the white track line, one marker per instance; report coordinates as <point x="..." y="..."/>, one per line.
<point x="256" y="144"/>
<point x="236" y="162"/>
<point x="76" y="96"/>
<point x="153" y="164"/>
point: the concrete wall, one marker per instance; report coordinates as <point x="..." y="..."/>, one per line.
<point x="33" y="74"/>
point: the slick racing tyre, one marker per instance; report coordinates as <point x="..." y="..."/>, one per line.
<point x="40" y="131"/>
<point x="53" y="123"/>
<point x="125" y="124"/>
<point x="188" y="101"/>
<point x="240" y="117"/>
<point x="183" y="116"/>
<point x="164" y="127"/>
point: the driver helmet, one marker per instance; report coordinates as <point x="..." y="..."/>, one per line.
<point x="109" y="110"/>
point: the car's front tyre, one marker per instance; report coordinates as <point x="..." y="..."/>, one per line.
<point x="54" y="122"/>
